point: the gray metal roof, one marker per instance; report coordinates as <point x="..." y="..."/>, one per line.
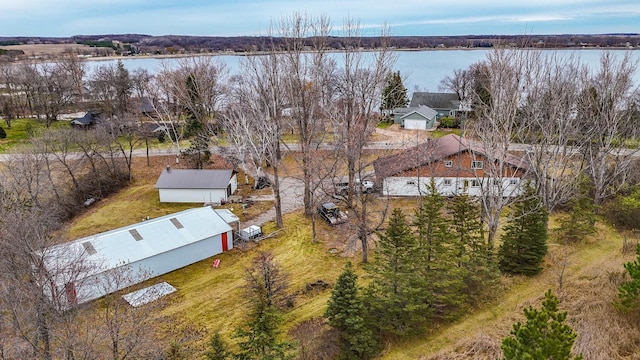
<point x="193" y="179"/>
<point x="424" y="111"/>
<point x="119" y="247"/>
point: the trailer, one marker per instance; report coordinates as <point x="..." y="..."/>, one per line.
<point x="250" y="233"/>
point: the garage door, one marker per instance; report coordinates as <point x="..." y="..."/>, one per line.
<point x="414" y="124"/>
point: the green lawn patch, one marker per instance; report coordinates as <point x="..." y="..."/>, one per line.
<point x="23" y="129"/>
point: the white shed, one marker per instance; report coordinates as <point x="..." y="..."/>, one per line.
<point x="196" y="185"/>
<point x="91" y="267"/>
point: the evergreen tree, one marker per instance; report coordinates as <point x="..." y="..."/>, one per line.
<point x="581" y="221"/>
<point x="218" y="349"/>
<point x="473" y="255"/>
<point x="346" y="313"/>
<point x="439" y="277"/>
<point x="394" y="94"/>
<point x="123" y="88"/>
<point x="629" y="290"/>
<point x="524" y="243"/>
<point x="259" y="337"/>
<point x="545" y="335"/>
<point x="394" y="296"/>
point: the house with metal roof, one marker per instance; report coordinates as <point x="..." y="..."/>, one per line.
<point x="456" y="166"/>
<point x="196" y="185"/>
<point x="97" y="265"/>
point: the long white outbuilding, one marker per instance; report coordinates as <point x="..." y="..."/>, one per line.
<point x="94" y="266"/>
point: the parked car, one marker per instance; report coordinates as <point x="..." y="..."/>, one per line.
<point x="331" y="213"/>
<point x="366" y="186"/>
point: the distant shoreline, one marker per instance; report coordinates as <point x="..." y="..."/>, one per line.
<point x="178" y="56"/>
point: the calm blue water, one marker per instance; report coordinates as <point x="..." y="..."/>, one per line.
<point x="421" y="70"/>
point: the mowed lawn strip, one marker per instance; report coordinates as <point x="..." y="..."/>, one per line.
<point x="214" y="298"/>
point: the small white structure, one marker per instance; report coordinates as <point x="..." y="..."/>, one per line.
<point x="251" y="232"/>
<point x="91" y="267"/>
<point x="196" y="185"/>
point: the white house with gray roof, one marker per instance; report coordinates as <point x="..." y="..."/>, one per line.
<point x="196" y="185"/>
<point x="97" y="265"/>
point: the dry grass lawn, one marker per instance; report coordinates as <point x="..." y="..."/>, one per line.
<point x="210" y="300"/>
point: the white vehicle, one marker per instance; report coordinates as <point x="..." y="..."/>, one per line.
<point x="366" y="186"/>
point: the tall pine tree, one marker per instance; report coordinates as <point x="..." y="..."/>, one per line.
<point x="524" y="243"/>
<point x="265" y="287"/>
<point x="473" y="255"/>
<point x="544" y="335"/>
<point x="394" y="297"/>
<point x="438" y="275"/>
<point x="394" y="94"/>
<point x="346" y="313"/>
<point x="581" y="221"/>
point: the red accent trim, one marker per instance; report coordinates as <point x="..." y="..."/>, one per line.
<point x="225" y="243"/>
<point x="70" y="292"/>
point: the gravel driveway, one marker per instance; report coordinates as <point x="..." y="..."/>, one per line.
<point x="291" y="194"/>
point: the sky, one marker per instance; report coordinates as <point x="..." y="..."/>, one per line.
<point x="62" y="18"/>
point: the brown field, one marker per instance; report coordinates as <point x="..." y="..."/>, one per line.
<point x="48" y="49"/>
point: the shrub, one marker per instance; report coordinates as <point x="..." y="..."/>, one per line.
<point x="449" y="122"/>
<point x="3" y="134"/>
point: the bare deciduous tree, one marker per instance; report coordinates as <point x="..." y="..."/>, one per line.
<point x="254" y="122"/>
<point x="358" y="91"/>
<point x="550" y="109"/>
<point x="606" y="113"/>
<point x="507" y="75"/>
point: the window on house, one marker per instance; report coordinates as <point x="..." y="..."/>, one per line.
<point x="448" y="163"/>
<point x="475" y="183"/>
<point x="496" y="182"/>
<point x="446" y="182"/>
<point x="476" y="164"/>
<point x="411" y="182"/>
<point x="513" y="181"/>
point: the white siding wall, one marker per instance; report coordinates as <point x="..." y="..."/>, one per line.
<point x="234" y="183"/>
<point x="414" y="186"/>
<point x="193" y="195"/>
<point x="113" y="280"/>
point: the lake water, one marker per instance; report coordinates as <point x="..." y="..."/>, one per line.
<point x="421" y="70"/>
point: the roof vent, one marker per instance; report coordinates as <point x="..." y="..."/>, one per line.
<point x="88" y="247"/>
<point x="168" y="168"/>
